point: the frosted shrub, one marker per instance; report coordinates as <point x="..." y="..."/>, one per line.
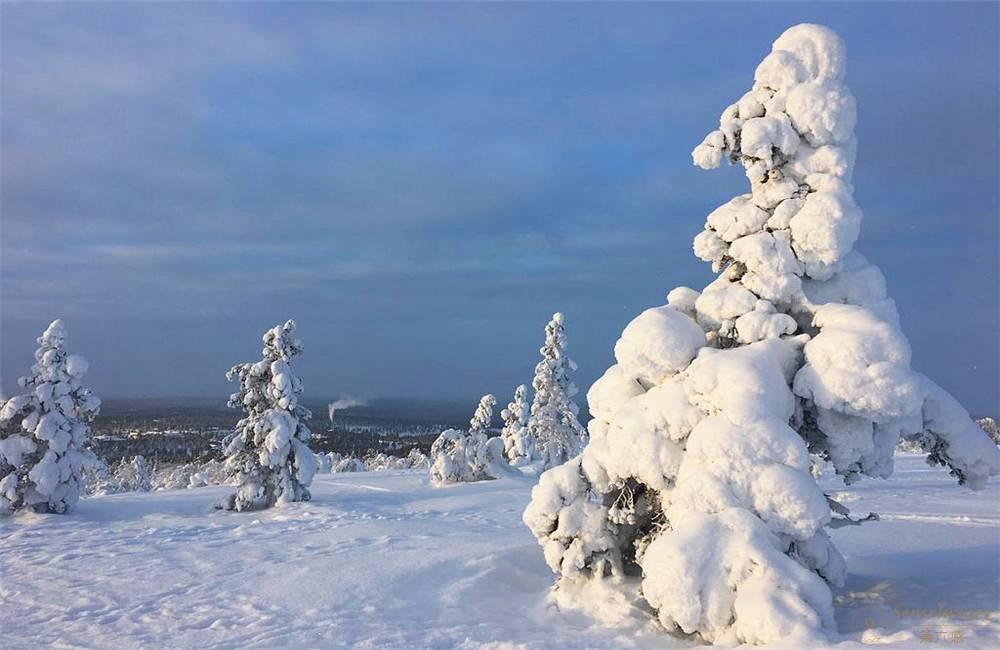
<point x="380" y="462"/>
<point x="134" y="475"/>
<point x="137" y="475"/>
<point x="174" y="477"/>
<point x="190" y="475"/>
<point x="182" y="476"/>
<point x="417" y="459"/>
<point x="96" y="478"/>
<point x="458" y="456"/>
<point x="350" y="465"/>
<point x="695" y="486"/>
<point x="211" y="472"/>
<point x="267" y="455"/>
<point x="329" y="465"/>
<point x="41" y="466"/>
<point x="324" y="465"/>
<point x="553" y="428"/>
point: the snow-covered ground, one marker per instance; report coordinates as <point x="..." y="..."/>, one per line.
<point x="383" y="560"/>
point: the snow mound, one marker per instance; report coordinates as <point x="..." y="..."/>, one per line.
<point x="659" y="343"/>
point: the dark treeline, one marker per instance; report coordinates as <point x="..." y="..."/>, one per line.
<point x="175" y="430"/>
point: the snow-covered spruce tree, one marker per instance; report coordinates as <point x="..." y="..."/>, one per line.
<point x="458" y="456"/>
<point x="553" y="425"/>
<point x="96" y="478"/>
<point x="41" y="466"/>
<point x="268" y="454"/>
<point x="134" y="475"/>
<point x="518" y="445"/>
<point x="448" y="454"/>
<point x="483" y="417"/>
<point x="696" y="484"/>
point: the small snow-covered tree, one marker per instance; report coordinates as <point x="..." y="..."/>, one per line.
<point x="553" y="426"/>
<point x="134" y="475"/>
<point x="41" y="466"/>
<point x="483" y="417"/>
<point x="695" y="486"/>
<point x="96" y="478"/>
<point x="268" y="454"/>
<point x="518" y="445"/>
<point x="417" y="459"/>
<point x="324" y="465"/>
<point x="459" y="456"/>
<point x="487" y="460"/>
<point x="448" y="457"/>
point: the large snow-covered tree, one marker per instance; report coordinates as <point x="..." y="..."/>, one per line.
<point x="553" y="425"/>
<point x="696" y="484"/>
<point x="464" y="456"/>
<point x="41" y="465"/>
<point x="518" y="445"/>
<point x="268" y="453"/>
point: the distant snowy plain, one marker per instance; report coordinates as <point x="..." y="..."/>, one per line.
<point x="383" y="560"/>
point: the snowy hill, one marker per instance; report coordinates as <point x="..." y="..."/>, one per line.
<point x="383" y="560"/>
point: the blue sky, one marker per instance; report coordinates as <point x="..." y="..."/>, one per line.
<point x="421" y="186"/>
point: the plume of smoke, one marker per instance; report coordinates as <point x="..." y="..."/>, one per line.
<point x="341" y="404"/>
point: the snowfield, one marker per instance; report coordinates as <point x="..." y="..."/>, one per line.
<point x="384" y="560"/>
